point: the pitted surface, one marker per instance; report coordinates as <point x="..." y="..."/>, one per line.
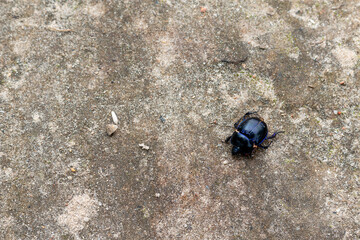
<point x="65" y="65"/>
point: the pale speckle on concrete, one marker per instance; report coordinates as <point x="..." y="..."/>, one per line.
<point x="346" y="57"/>
<point x="167" y="51"/>
<point x="21" y="46"/>
<point x="6" y="222"/>
<point x="6" y="174"/>
<point x="96" y="10"/>
<point x="36" y="117"/>
<point x="80" y="210"/>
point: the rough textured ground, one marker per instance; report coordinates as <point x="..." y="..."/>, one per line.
<point x="65" y="65"/>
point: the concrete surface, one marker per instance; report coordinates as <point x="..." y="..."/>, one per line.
<point x="65" y="65"/>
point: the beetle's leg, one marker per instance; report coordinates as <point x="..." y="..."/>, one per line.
<point x="243" y="118"/>
<point x="228" y="139"/>
<point x="274" y="135"/>
<point x="265" y="147"/>
<point x="236" y="125"/>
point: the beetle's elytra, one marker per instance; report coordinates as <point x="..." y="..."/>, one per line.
<point x="250" y="132"/>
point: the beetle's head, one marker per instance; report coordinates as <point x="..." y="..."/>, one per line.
<point x="242" y="144"/>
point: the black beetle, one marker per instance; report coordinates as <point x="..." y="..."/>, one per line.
<point x="250" y="133"/>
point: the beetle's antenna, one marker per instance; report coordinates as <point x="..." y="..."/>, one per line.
<point x="225" y="126"/>
<point x="221" y="125"/>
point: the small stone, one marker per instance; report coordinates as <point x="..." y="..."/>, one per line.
<point x="114" y="117"/>
<point x="143" y="146"/>
<point x="111" y="128"/>
<point x="271" y="11"/>
<point x="162" y="119"/>
<point x="203" y="9"/>
<point x="225" y="162"/>
<point x="263" y="47"/>
<point x="157" y="195"/>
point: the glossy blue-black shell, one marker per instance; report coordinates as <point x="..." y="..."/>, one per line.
<point x="249" y="133"/>
<point x="254" y="129"/>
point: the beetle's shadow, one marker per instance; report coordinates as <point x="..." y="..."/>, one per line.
<point x="258" y="153"/>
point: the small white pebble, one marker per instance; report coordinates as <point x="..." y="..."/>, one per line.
<point x="225" y="162"/>
<point x="157" y="195"/>
<point x="143" y="146"/>
<point x="114" y="117"/>
<point x="110" y="129"/>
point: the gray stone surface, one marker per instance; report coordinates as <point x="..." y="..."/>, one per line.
<point x="65" y="65"/>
